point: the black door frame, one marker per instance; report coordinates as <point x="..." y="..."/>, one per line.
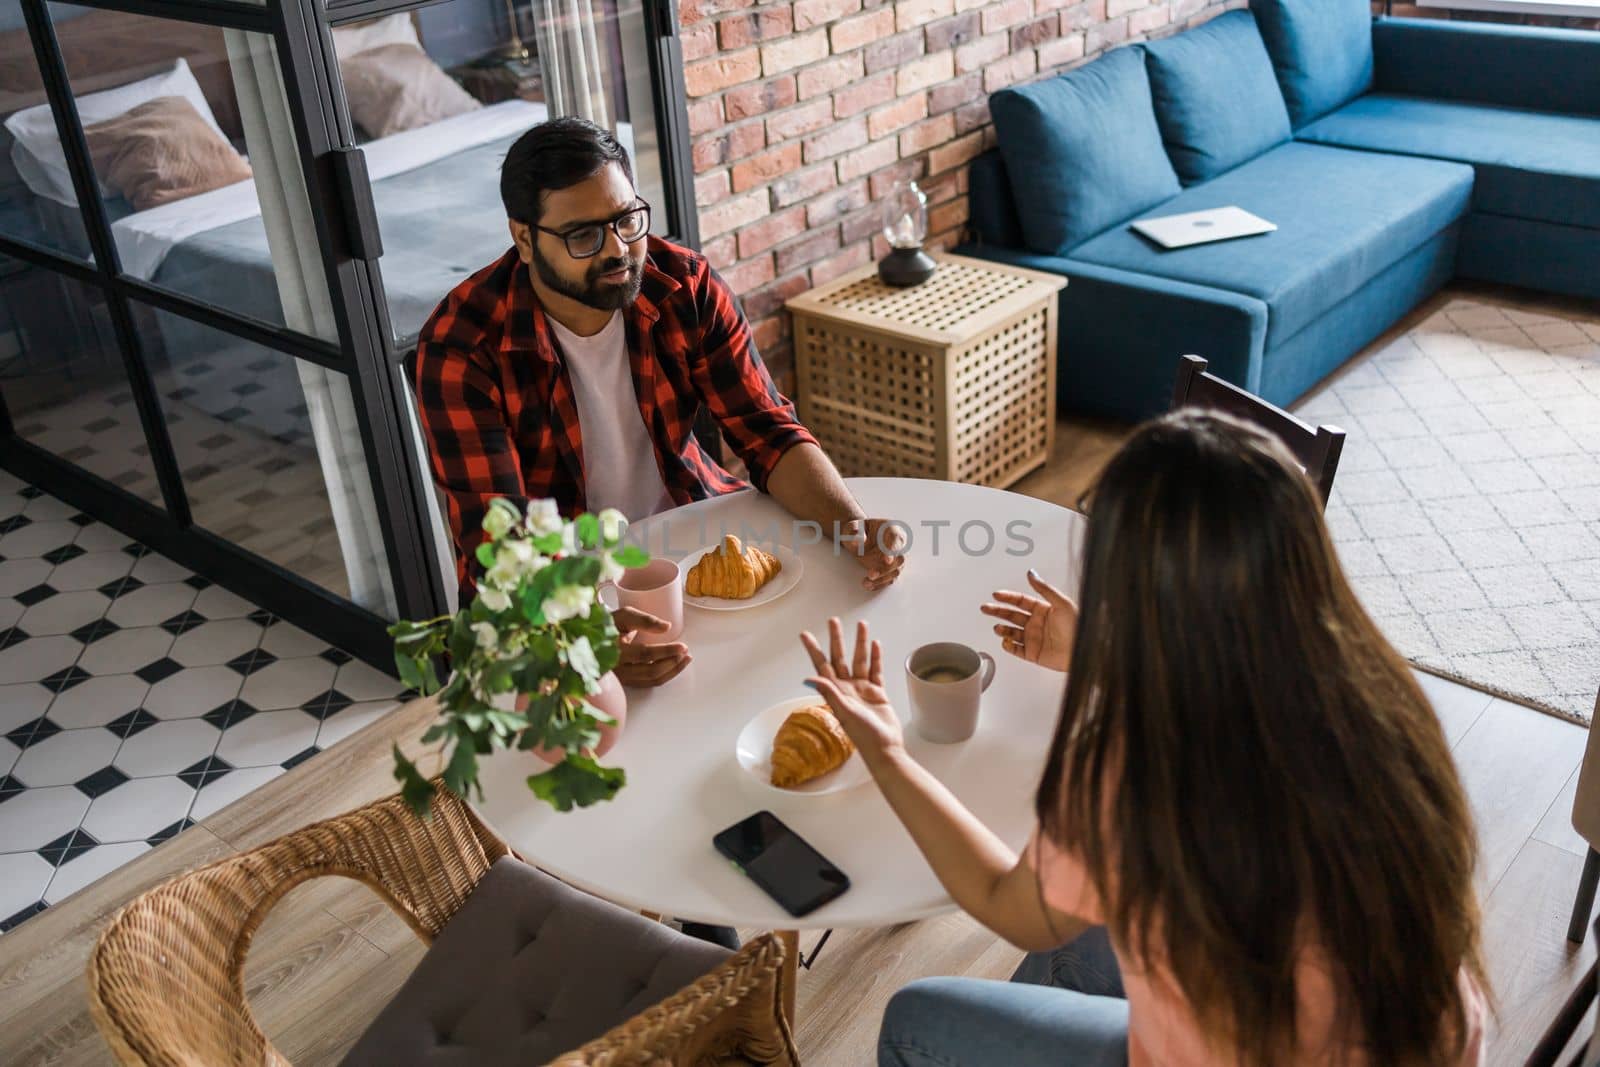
<point x="366" y="354"/>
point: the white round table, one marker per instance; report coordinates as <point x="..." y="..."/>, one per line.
<point x="650" y="848"/>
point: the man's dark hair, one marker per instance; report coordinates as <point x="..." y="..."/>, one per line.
<point x="555" y="155"/>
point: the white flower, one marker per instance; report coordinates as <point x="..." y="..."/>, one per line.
<point x="503" y="575"/>
<point x="543" y="516"/>
<point x="613" y="524"/>
<point x="486" y="634"/>
<point x="492" y="598"/>
<point x="610" y="569"/>
<point x="568" y="602"/>
<point x="500" y="518"/>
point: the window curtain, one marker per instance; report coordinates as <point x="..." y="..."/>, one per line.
<point x="569" y="59"/>
<point x="307" y="308"/>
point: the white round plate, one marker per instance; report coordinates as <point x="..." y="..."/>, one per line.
<point x="788" y="577"/>
<point x="754" y="750"/>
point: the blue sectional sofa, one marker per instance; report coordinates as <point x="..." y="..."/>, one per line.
<point x="1391" y="153"/>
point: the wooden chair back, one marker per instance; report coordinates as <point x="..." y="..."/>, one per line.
<point x="1559" y="1035"/>
<point x="1316" y="448"/>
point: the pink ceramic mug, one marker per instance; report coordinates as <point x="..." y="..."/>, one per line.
<point x="946" y="681"/>
<point x="655" y="590"/>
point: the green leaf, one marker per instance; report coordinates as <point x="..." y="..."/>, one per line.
<point x="462" y="640"/>
<point x="461" y="773"/>
<point x="631" y="556"/>
<point x="410" y="670"/>
<point x="607" y="654"/>
<point x="506" y="723"/>
<point x="572" y="684"/>
<point x="548" y="544"/>
<point x="415" y="790"/>
<point x="575" y="570"/>
<point x="542" y="708"/>
<point x="580" y="731"/>
<point x="588" y="530"/>
<point x="577" y="781"/>
<point x="485" y="554"/>
<point x="532" y="595"/>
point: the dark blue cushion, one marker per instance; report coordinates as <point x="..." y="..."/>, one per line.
<point x="1342" y="218"/>
<point x="1216" y="99"/>
<point x="993" y="215"/>
<point x="1488" y="63"/>
<point x="1082" y="150"/>
<point x="1531" y="164"/>
<point x="1321" y="51"/>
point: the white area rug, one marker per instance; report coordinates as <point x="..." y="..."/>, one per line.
<point x="1467" y="503"/>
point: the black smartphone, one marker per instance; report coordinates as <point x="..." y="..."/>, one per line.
<point x="780" y="861"/>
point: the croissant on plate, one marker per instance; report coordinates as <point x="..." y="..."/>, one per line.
<point x="809" y="744"/>
<point x="732" y="571"/>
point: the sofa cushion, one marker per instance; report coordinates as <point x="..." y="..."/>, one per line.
<point x="1531" y="164"/>
<point x="1082" y="150"/>
<point x="1342" y="218"/>
<point x="529" y="968"/>
<point x="1216" y="99"/>
<point x="994" y="215"/>
<point x="1321" y="51"/>
<point x="1488" y="63"/>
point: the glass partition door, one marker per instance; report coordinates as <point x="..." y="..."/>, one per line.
<point x="222" y="223"/>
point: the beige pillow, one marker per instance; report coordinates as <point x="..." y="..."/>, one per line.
<point x="162" y="150"/>
<point x="396" y="87"/>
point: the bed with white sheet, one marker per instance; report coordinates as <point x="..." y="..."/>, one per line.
<point x="437" y="195"/>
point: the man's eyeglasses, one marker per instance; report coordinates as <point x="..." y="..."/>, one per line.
<point x="585" y="241"/>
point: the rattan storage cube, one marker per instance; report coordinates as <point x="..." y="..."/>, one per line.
<point x="952" y="379"/>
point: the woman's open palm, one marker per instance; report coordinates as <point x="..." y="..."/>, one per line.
<point x="853" y="688"/>
<point x="1039" y="629"/>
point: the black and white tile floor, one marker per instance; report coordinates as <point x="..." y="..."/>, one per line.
<point x="136" y="698"/>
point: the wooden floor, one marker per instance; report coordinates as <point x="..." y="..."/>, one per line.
<point x="330" y="954"/>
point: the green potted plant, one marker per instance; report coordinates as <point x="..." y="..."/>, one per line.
<point x="530" y="657"/>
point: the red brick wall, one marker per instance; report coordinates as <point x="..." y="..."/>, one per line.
<point x="805" y="112"/>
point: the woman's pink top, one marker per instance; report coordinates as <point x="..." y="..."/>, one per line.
<point x="1162" y="1028"/>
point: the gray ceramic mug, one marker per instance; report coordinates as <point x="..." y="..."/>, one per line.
<point x="946" y="681"/>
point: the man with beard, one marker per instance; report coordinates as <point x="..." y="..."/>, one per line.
<point x="573" y="368"/>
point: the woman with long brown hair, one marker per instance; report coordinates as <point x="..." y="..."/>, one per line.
<point x="1252" y="841"/>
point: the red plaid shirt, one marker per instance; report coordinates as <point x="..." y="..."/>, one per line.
<point x="498" y="409"/>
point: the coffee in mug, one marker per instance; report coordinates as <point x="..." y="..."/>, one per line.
<point x="946" y="681"/>
<point x="943" y="673"/>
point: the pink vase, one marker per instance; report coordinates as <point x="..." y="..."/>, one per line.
<point x="611" y="699"/>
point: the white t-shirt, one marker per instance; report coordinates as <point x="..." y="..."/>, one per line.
<point x="619" y="459"/>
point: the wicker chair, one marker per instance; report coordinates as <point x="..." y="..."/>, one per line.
<point x="166" y="976"/>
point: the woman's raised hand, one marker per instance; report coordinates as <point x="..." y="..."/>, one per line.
<point x="853" y="688"/>
<point x="1039" y="629"/>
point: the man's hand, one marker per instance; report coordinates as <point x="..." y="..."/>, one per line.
<point x="876" y="545"/>
<point x="645" y="665"/>
<point x="1039" y="629"/>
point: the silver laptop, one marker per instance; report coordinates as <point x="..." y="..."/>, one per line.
<point x="1202" y="227"/>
